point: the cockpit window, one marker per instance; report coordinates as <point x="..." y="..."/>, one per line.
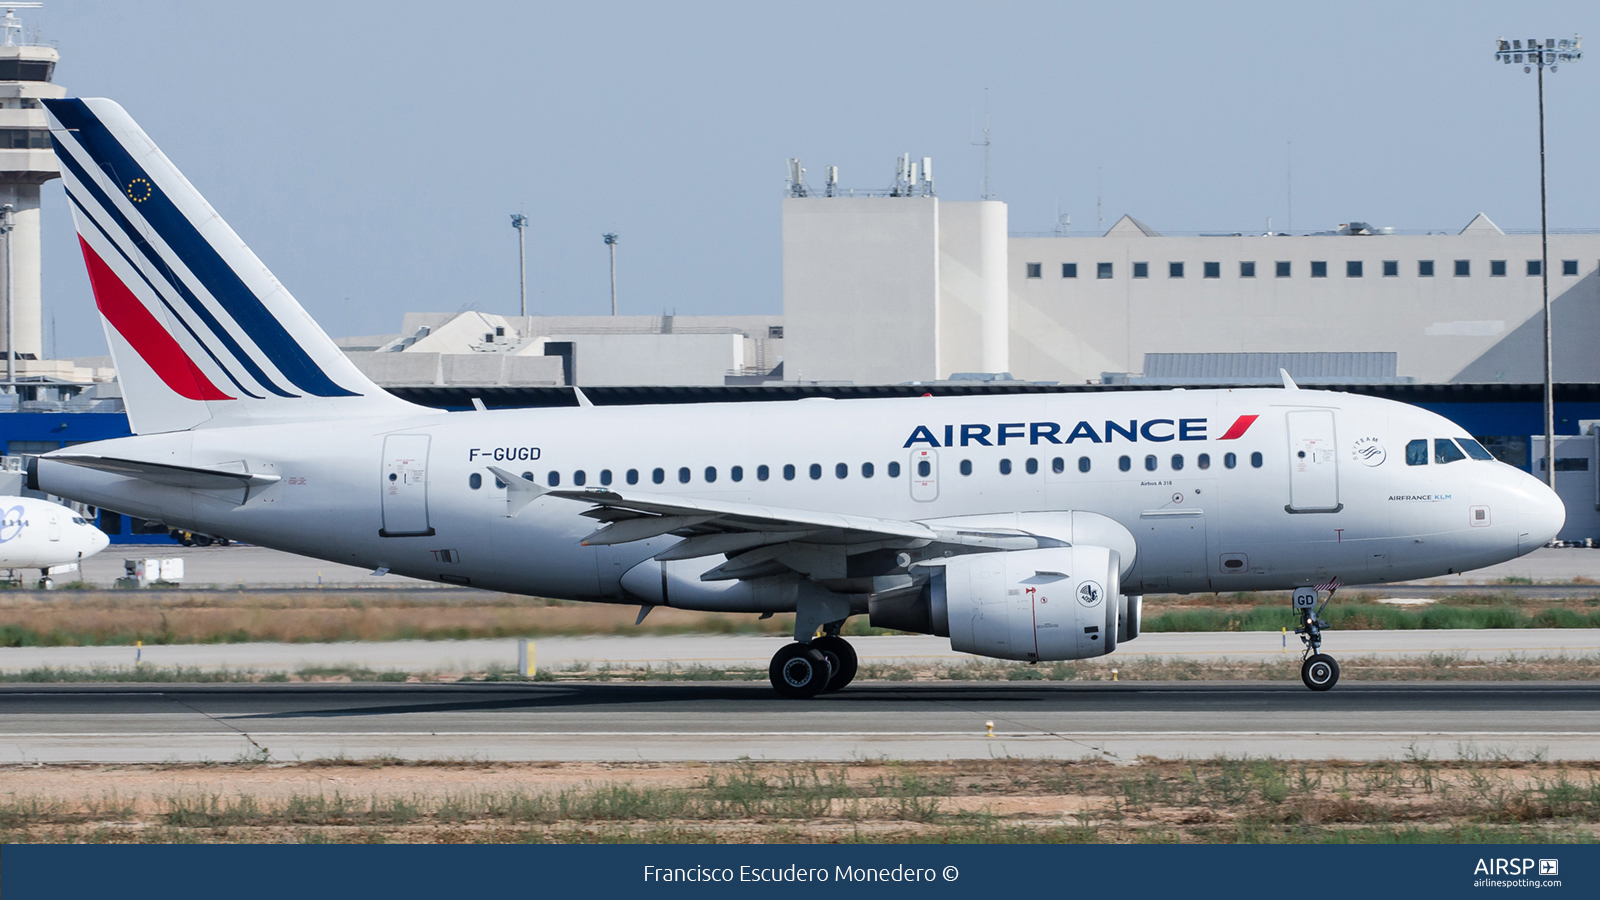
<point x="1417" y="453"/>
<point x="1474" y="449"/>
<point x="1445" y="451"/>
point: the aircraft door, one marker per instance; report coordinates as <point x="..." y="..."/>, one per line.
<point x="1313" y="462"/>
<point x="924" y="475"/>
<point x="405" y="485"/>
<point x="55" y="525"/>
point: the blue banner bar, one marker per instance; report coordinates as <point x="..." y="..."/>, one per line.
<point x="503" y="872"/>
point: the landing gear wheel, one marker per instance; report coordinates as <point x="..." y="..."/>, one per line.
<point x="1320" y="672"/>
<point x="800" y="671"/>
<point x="46" y="584"/>
<point x="841" y="657"/>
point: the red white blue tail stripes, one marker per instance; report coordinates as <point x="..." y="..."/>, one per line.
<point x="192" y="315"/>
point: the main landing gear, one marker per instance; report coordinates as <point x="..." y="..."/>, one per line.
<point x="801" y="671"/>
<point x="1319" y="671"/>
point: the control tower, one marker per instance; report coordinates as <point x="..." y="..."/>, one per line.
<point x="26" y="162"/>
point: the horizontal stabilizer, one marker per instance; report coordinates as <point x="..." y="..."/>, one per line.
<point x="173" y="476"/>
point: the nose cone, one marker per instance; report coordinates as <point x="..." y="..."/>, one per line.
<point x="1540" y="514"/>
<point x="98" y="540"/>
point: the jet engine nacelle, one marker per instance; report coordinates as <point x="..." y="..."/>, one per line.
<point x="1033" y="605"/>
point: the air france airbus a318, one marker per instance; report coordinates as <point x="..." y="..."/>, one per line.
<point x="1022" y="527"/>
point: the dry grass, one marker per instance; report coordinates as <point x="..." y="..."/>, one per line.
<point x="982" y="801"/>
<point x="100" y="617"/>
<point x="83" y="618"/>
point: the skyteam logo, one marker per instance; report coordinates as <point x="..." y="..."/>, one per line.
<point x="1131" y="430"/>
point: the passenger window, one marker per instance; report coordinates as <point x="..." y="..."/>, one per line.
<point x="816" y="471"/>
<point x="1177" y="461"/>
<point x="1005" y="467"/>
<point x="1474" y="449"/>
<point x="894" y="470"/>
<point x="499" y="484"/>
<point x="633" y="476"/>
<point x="1203" y="460"/>
<point x="1255" y="459"/>
<point x="711" y="474"/>
<point x="1032" y="466"/>
<point x="1230" y="460"/>
<point x="841" y="470"/>
<point x="474" y="481"/>
<point x="555" y="479"/>
<point x="762" y="473"/>
<point x="924" y="469"/>
<point x="579" y="478"/>
<point x="866" y="470"/>
<point x="736" y="473"/>
<point x="1417" y="453"/>
<point x="683" y="474"/>
<point x="1124" y="463"/>
<point x="658" y="475"/>
<point x="1150" y="463"/>
<point x="605" y="476"/>
<point x="1058" y="465"/>
<point x="1083" y="464"/>
<point x="527" y="476"/>
<point x="1445" y="451"/>
<point x="788" y="472"/>
<point x="966" y="467"/>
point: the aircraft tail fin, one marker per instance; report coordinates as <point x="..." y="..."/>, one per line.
<point x="201" y="332"/>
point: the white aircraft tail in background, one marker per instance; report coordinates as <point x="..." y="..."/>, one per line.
<point x="39" y="534"/>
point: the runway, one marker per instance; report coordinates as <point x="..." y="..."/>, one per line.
<point x="720" y="721"/>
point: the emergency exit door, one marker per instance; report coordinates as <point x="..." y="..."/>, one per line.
<point x="1313" y="462"/>
<point x="924" y="475"/>
<point x="405" y="485"/>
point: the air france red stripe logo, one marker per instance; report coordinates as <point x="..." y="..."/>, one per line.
<point x="1238" y="428"/>
<point x="146" y="335"/>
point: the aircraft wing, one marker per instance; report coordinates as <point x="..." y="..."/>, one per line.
<point x="192" y="477"/>
<point x="755" y="537"/>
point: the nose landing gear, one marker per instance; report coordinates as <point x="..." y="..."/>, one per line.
<point x="1319" y="671"/>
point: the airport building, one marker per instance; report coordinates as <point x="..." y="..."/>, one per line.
<point x="907" y="287"/>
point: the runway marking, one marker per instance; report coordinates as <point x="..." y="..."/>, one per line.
<point x="707" y="734"/>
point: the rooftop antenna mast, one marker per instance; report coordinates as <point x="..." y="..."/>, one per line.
<point x="987" y="195"/>
<point x="12" y="26"/>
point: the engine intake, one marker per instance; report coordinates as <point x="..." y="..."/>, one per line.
<point x="1033" y="605"/>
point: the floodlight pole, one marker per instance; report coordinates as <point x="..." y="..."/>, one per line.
<point x="520" y="223"/>
<point x="1544" y="278"/>
<point x="8" y="224"/>
<point x="1540" y="54"/>
<point x="611" y="243"/>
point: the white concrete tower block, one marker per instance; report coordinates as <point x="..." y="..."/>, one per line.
<point x="996" y="335"/>
<point x="26" y="162"/>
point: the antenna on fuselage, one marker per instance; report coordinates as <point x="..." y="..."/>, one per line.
<point x="1288" y="383"/>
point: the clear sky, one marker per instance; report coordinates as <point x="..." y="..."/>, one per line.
<point x="372" y="153"/>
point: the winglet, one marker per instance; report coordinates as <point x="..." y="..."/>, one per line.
<point x="1288" y="383"/>
<point x="519" y="491"/>
<point x="583" y="399"/>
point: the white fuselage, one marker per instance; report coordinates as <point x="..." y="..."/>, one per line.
<point x="38" y="534"/>
<point x="1317" y="488"/>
